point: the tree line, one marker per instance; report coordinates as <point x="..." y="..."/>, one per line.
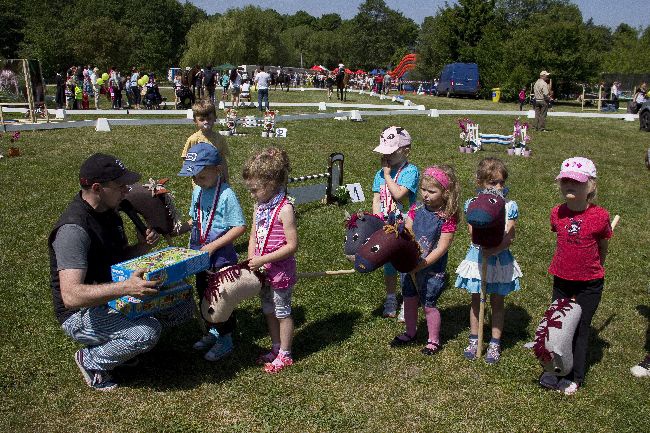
<point x="510" y="40"/>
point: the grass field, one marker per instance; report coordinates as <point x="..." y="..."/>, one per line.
<point x="346" y="378"/>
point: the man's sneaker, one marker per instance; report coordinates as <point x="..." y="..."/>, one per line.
<point x="390" y="307"/>
<point x="549" y="381"/>
<point x="280" y="362"/>
<point x="567" y="387"/>
<point x="471" y="349"/>
<point x="99" y="380"/>
<point x="222" y="348"/>
<point x="400" y="315"/>
<point x="493" y="353"/>
<point x="205" y="342"/>
<point x="642" y="369"/>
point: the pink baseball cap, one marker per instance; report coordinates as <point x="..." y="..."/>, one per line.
<point x="577" y="168"/>
<point x="391" y="139"/>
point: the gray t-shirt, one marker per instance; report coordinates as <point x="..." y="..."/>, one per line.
<point x="71" y="246"/>
<point x="262" y="79"/>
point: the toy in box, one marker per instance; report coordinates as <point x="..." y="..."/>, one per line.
<point x="134" y="308"/>
<point x="168" y="265"/>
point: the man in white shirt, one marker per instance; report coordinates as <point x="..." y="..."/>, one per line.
<point x="542" y="93"/>
<point x="262" y="80"/>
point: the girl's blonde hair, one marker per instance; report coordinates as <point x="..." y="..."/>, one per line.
<point x="487" y="167"/>
<point x="451" y="192"/>
<point x="268" y="165"/>
<point x="592" y="195"/>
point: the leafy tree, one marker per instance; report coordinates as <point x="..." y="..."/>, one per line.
<point x="295" y="40"/>
<point x="376" y="32"/>
<point x="326" y="48"/>
<point x="240" y="36"/>
<point x="12" y="24"/>
<point x="300" y="18"/>
<point x="455" y="34"/>
<point x="519" y="12"/>
<point x="329" y="22"/>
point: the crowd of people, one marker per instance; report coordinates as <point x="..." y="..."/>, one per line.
<point x="82" y="85"/>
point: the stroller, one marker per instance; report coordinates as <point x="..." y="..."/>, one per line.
<point x="152" y="98"/>
<point x="185" y="98"/>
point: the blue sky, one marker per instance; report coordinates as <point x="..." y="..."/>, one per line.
<point x="608" y="12"/>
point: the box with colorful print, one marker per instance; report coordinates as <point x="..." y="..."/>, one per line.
<point x="168" y="296"/>
<point x="168" y="265"/>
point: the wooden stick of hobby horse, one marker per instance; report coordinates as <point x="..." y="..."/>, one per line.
<point x="325" y="273"/>
<point x="481" y="310"/>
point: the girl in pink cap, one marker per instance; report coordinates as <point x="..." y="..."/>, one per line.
<point x="583" y="231"/>
<point x="434" y="221"/>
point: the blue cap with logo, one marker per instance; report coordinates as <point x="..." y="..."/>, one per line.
<point x="199" y="156"/>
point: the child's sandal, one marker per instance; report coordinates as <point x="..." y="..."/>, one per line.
<point x="278" y="364"/>
<point x="426" y="350"/>
<point x="402" y="340"/>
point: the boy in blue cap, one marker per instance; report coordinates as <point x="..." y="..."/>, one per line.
<point x="217" y="221"/>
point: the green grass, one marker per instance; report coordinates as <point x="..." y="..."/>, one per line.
<point x="346" y="378"/>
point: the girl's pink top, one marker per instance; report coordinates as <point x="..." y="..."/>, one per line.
<point x="281" y="274"/>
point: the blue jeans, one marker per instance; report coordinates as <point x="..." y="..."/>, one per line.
<point x="112" y="339"/>
<point x="263" y="95"/>
<point x="430" y="287"/>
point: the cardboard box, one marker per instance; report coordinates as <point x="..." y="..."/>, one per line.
<point x="167" y="297"/>
<point x="169" y="265"/>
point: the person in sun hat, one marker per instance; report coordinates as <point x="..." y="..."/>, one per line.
<point x="583" y="231"/>
<point x="394" y="190"/>
<point x="542" y="94"/>
<point x="87" y="239"/>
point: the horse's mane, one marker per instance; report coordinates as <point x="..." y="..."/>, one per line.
<point x="230" y="274"/>
<point x="351" y="223"/>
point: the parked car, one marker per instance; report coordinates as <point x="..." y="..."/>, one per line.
<point x="459" y="79"/>
<point x="644" y="116"/>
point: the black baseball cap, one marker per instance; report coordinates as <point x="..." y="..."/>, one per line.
<point x="100" y="168"/>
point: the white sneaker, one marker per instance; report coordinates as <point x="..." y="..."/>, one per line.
<point x="206" y="342"/>
<point x="390" y="307"/>
<point x="642" y="369"/>
<point x="567" y="387"/>
<point x="549" y="381"/>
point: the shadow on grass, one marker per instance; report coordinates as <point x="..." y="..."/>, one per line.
<point x="644" y="310"/>
<point x="597" y="344"/>
<point x="174" y="365"/>
<point x="331" y="330"/>
<point x="516" y="321"/>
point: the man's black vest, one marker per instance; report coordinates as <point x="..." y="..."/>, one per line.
<point x="107" y="247"/>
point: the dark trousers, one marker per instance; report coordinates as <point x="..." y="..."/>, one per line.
<point x="541" y="109"/>
<point x="587" y="295"/>
<point x="211" y="90"/>
<point x="263" y="96"/>
<point x="223" y="328"/>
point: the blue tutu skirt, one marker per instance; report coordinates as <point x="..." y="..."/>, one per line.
<point x="503" y="273"/>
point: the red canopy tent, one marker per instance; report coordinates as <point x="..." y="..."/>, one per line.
<point x="317" y="68"/>
<point x="360" y="71"/>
